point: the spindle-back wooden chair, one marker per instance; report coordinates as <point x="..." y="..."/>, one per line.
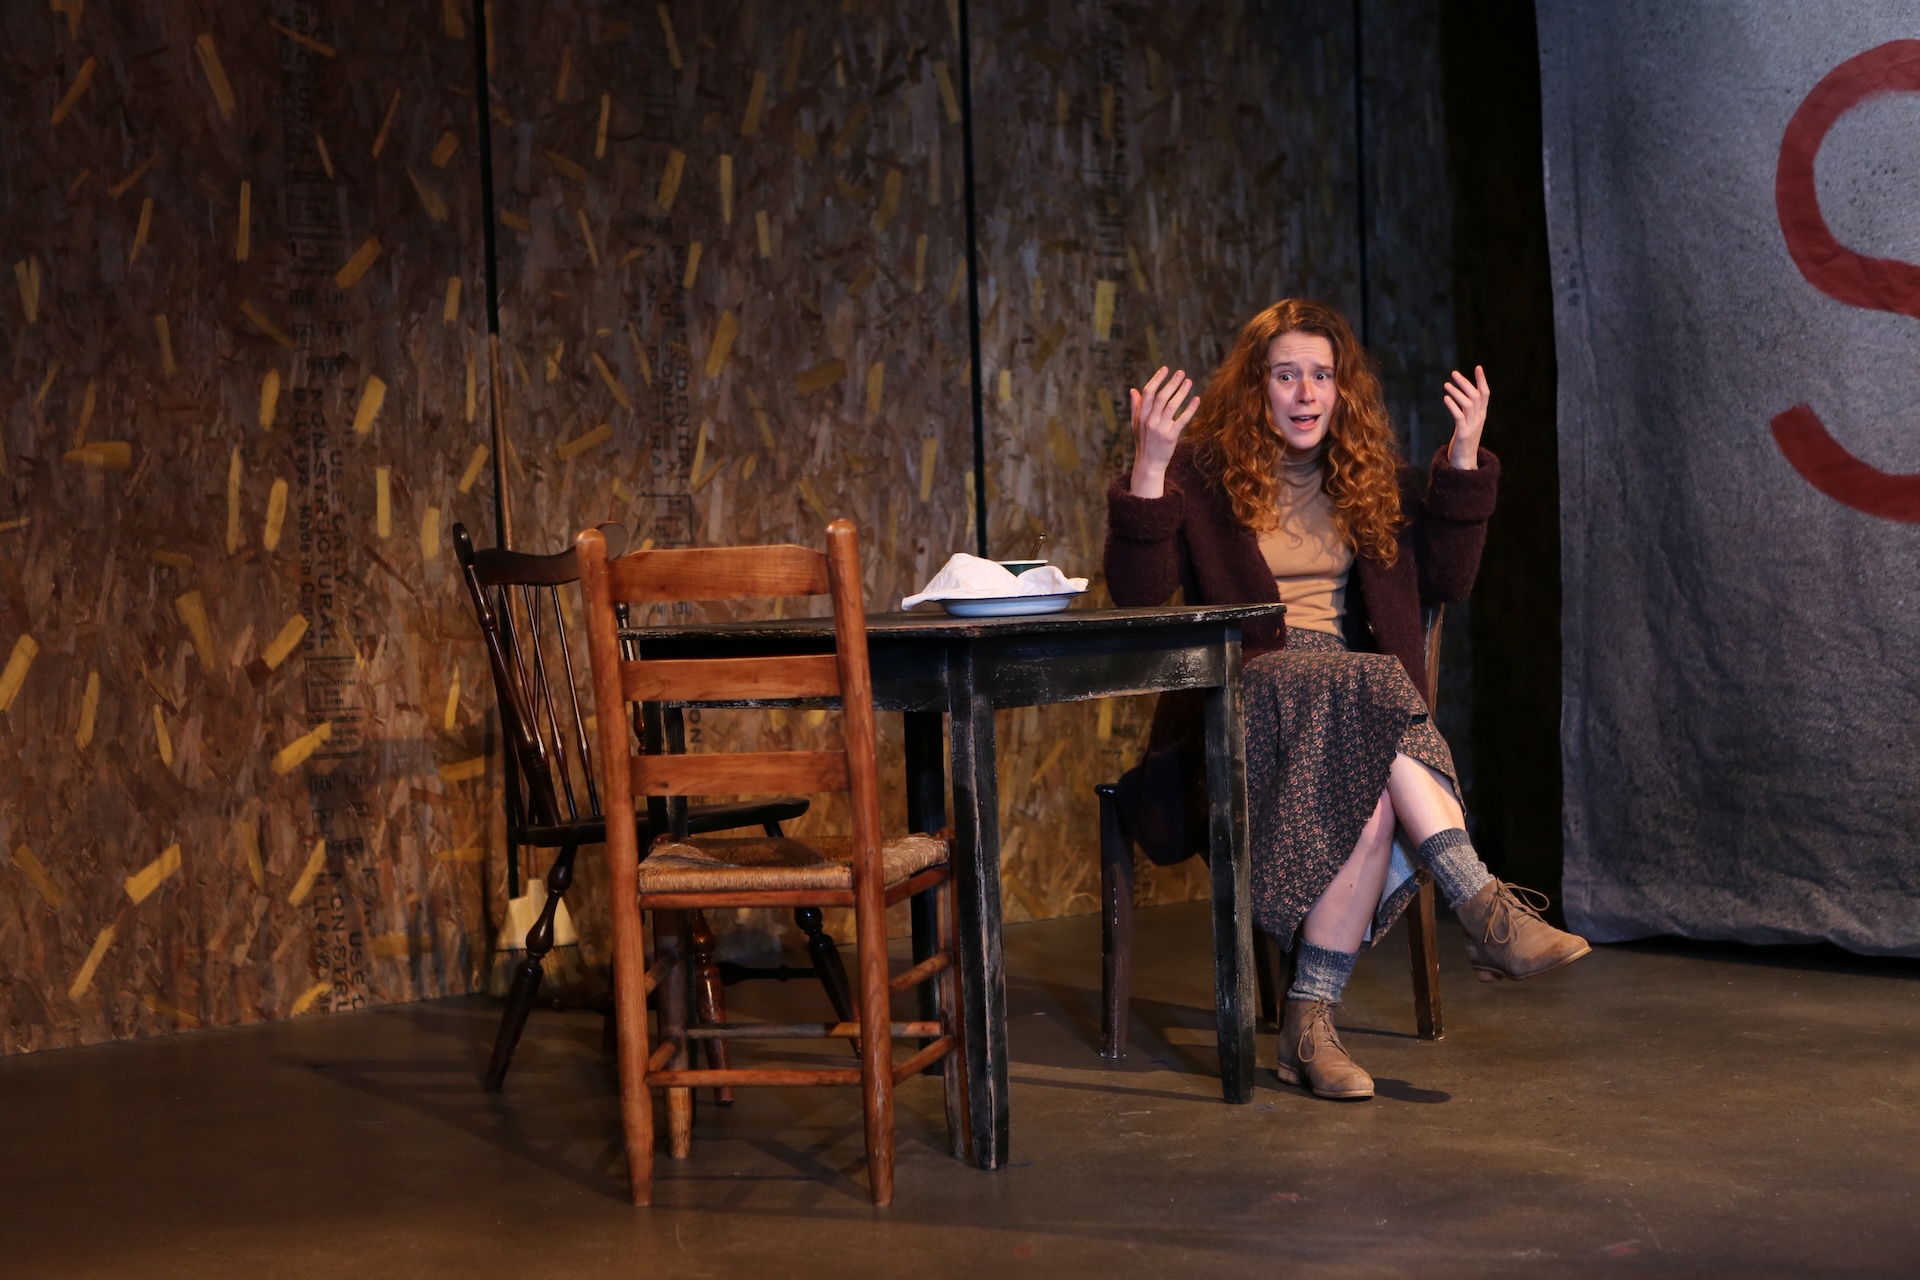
<point x="521" y="604"/>
<point x="1116" y="913"/>
<point x="864" y="872"/>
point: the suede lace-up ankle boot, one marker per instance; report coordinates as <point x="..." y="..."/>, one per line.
<point x="1311" y="1053"/>
<point x="1506" y="938"/>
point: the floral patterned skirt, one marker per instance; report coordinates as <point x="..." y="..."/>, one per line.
<point x="1323" y="726"/>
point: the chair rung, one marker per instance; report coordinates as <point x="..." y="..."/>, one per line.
<point x="921" y="972"/>
<point x="805" y="1030"/>
<point x="919" y="884"/>
<point x="726" y="898"/>
<point x="662" y="1056"/>
<point x="923" y="1059"/>
<point x="706" y="1078"/>
<point x="658" y="970"/>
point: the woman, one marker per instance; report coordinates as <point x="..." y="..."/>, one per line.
<point x="1289" y="486"/>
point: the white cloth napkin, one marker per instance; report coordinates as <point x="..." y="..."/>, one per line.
<point x="966" y="577"/>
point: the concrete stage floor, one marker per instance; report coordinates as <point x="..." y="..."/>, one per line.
<point x="1664" y="1111"/>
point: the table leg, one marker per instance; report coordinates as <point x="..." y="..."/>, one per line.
<point x="976" y="848"/>
<point x="926" y="811"/>
<point x="1230" y="869"/>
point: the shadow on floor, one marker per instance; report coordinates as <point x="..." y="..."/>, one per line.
<point x="1650" y="1107"/>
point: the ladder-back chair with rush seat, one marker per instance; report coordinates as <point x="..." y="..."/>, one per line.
<point x="864" y="872"/>
<point x="552" y="797"/>
<point x="1116" y="913"/>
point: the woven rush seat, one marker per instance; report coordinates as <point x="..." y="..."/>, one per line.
<point x="787" y="862"/>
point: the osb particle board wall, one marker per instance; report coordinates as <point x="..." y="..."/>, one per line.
<point x="243" y="751"/>
<point x="731" y="290"/>
<point x="1133" y="165"/>
<point x="731" y="241"/>
<point x="1153" y="175"/>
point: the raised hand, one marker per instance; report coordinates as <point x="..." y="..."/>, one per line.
<point x="1158" y="421"/>
<point x="1467" y="402"/>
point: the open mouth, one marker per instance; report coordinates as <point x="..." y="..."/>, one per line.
<point x="1304" y="419"/>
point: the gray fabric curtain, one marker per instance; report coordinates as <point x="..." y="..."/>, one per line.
<point x="1734" y="205"/>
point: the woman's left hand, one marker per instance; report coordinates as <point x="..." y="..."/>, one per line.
<point x="1467" y="402"/>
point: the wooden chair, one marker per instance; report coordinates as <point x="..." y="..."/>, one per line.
<point x="1116" y="911"/>
<point x="552" y="801"/>
<point x="863" y="872"/>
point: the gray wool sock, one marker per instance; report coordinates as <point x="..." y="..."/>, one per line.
<point x="1456" y="868"/>
<point x="1319" y="973"/>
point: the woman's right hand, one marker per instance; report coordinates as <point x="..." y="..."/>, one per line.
<point x="1157" y="424"/>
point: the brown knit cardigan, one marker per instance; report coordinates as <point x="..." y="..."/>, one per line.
<point x="1189" y="539"/>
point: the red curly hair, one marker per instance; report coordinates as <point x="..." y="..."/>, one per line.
<point x="1235" y="440"/>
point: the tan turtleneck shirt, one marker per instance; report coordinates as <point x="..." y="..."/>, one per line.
<point x="1304" y="551"/>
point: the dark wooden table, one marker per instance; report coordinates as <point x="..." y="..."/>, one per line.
<point x="928" y="665"/>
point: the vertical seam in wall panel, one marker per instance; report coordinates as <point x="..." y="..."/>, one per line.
<point x="977" y="381"/>
<point x="1360" y="162"/>
<point x="483" y="101"/>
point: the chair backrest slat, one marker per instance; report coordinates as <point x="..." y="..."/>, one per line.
<point x="526" y="696"/>
<point x="718" y="573"/>
<point x="552" y="738"/>
<point x="734" y="773"/>
<point x="731" y="679"/>
<point x="573" y="700"/>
